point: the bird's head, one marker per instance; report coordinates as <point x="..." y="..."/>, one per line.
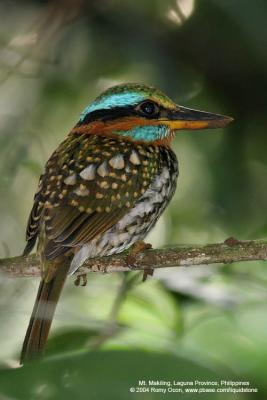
<point x="143" y="113"/>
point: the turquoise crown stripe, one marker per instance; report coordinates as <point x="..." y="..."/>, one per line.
<point x="111" y="101"/>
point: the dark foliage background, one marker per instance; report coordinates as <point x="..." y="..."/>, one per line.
<point x="208" y="323"/>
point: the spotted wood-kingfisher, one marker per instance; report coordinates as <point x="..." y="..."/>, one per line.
<point x="104" y="188"/>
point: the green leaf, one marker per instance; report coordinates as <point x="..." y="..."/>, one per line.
<point x="101" y="375"/>
<point x="70" y="340"/>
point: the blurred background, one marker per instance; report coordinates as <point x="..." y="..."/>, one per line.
<point x="209" y="322"/>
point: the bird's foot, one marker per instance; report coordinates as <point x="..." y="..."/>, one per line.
<point x="135" y="250"/>
<point x="147" y="272"/>
<point x="232" y="241"/>
<point x="82" y="277"/>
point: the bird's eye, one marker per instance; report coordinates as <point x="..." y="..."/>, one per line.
<point x="148" y="108"/>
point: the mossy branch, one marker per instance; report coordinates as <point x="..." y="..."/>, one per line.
<point x="230" y="251"/>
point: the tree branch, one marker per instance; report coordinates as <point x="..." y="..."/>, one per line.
<point x="228" y="252"/>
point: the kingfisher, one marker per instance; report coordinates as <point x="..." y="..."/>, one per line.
<point x="104" y="188"/>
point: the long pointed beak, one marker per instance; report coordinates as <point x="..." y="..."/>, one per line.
<point x="186" y="118"/>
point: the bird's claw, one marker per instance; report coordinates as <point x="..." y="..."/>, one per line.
<point x="147" y="272"/>
<point x="131" y="258"/>
<point x="82" y="277"/>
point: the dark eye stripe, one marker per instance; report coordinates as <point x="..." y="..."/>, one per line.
<point x="107" y="114"/>
<point x="150" y="110"/>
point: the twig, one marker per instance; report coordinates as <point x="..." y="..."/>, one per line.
<point x="49" y="25"/>
<point x="111" y="325"/>
<point x="230" y="251"/>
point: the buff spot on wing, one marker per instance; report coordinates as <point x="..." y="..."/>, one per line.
<point x="70" y="180"/>
<point x="88" y="173"/>
<point x="102" y="170"/>
<point x="134" y="158"/>
<point x="117" y="162"/>
<point x="103" y="184"/>
<point x="81" y="191"/>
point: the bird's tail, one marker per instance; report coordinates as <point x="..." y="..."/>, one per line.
<point x="42" y="314"/>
